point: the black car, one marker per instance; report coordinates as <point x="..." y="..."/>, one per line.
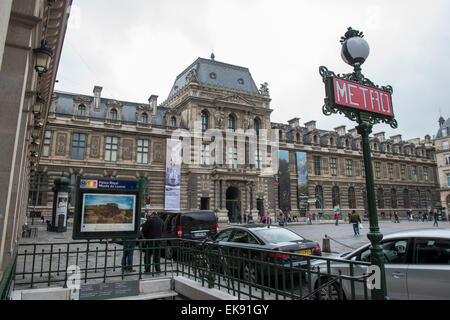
<point x="245" y="239"/>
<point x="188" y="224"/>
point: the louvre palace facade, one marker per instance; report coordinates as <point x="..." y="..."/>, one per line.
<point x="235" y="160"/>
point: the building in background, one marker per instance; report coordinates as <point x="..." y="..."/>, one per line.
<point x="25" y="25"/>
<point x="223" y="120"/>
<point x="441" y="143"/>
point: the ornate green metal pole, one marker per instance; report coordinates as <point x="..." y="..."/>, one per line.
<point x="376" y="252"/>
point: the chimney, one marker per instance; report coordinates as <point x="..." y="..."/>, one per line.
<point x="310" y="125"/>
<point x="153" y="101"/>
<point x="294" y="123"/>
<point x="397" y="138"/>
<point x="340" y="130"/>
<point x="379" y="136"/>
<point x="97" y="96"/>
<point x="353" y="132"/>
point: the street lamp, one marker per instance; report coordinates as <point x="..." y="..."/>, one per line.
<point x="38" y="104"/>
<point x="43" y="56"/>
<point x="360" y="100"/>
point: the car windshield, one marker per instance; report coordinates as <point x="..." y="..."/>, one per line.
<point x="276" y="235"/>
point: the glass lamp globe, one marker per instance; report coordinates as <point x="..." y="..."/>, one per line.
<point x="355" y="50"/>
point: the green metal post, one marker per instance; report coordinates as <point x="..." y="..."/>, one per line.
<point x="376" y="255"/>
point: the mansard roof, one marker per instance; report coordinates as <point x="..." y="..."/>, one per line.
<point x="217" y="73"/>
<point x="445" y="124"/>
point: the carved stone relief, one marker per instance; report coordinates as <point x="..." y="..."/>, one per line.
<point x="95" y="147"/>
<point x="127" y="153"/>
<point x="61" y="140"/>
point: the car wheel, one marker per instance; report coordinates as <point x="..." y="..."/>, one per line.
<point x="324" y="293"/>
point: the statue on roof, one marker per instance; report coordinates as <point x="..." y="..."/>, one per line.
<point x="192" y="76"/>
<point x="264" y="89"/>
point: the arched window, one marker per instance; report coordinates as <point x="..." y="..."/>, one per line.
<point x="81" y="110"/>
<point x="231" y="122"/>
<point x="319" y="197"/>
<point x="331" y="141"/>
<point x="204" y="116"/>
<point x="144" y="117"/>
<point x="347" y="143"/>
<point x="173" y="121"/>
<point x="297" y="137"/>
<point x="256" y="126"/>
<point x="315" y="139"/>
<point x="335" y="197"/>
<point x="351" y="198"/>
<point x="380" y="198"/>
<point x="393" y="198"/>
<point x="113" y="114"/>
<point x="280" y="132"/>
<point x="406" y="203"/>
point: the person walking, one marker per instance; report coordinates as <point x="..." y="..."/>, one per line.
<point x="435" y="216"/>
<point x="336" y="216"/>
<point x="355" y="219"/>
<point x="396" y="220"/>
<point x="152" y="229"/>
<point x="281" y="218"/>
<point x="309" y="217"/>
<point x="266" y="219"/>
<point x="127" y="257"/>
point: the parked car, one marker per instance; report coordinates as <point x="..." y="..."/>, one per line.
<point x="187" y="224"/>
<point x="244" y="239"/>
<point x="417" y="266"/>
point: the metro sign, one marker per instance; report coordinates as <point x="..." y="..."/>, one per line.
<point x="354" y="95"/>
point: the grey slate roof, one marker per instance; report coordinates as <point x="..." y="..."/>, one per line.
<point x="445" y="125"/>
<point x="226" y="75"/>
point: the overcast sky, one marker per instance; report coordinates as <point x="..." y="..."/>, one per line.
<point x="137" y="48"/>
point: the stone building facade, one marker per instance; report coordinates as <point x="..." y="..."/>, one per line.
<point x="230" y="150"/>
<point x="441" y="143"/>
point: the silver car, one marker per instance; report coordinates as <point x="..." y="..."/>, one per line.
<point x="417" y="265"/>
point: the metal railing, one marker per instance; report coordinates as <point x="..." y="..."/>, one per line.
<point x="242" y="271"/>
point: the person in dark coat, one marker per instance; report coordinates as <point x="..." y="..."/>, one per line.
<point x="152" y="229"/>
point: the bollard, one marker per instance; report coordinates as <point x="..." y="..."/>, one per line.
<point x="326" y="244"/>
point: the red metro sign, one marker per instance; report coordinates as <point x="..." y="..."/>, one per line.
<point x="354" y="95"/>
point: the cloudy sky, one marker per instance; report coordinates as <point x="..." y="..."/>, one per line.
<point x="137" y="48"/>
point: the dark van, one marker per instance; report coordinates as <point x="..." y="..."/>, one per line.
<point x="188" y="224"/>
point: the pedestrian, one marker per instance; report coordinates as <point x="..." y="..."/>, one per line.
<point x="396" y="220"/>
<point x="127" y="255"/>
<point x="152" y="231"/>
<point x="336" y="216"/>
<point x="281" y="218"/>
<point x="420" y="217"/>
<point x="266" y="219"/>
<point x="245" y="218"/>
<point x="425" y="216"/>
<point x="355" y="219"/>
<point x="435" y="214"/>
<point x="309" y="218"/>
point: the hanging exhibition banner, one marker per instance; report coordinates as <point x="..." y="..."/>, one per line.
<point x="302" y="180"/>
<point x="107" y="209"/>
<point x="284" y="183"/>
<point x="61" y="207"/>
<point x="173" y="175"/>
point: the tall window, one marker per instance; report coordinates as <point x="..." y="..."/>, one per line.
<point x="38" y="189"/>
<point x="391" y="171"/>
<point x="258" y="164"/>
<point x="414" y="173"/>
<point x="113" y="114"/>
<point x="173" y="121"/>
<point x="447" y="158"/>
<point x="393" y="198"/>
<point x="205" y="119"/>
<point x="428" y="197"/>
<point x="205" y="155"/>
<point x="81" y="112"/>
<point x="317" y="165"/>
<point x="403" y="171"/>
<point x="256" y="126"/>
<point x="111" y="149"/>
<point x="319" y="197"/>
<point x="425" y="174"/>
<point x="418" y="200"/>
<point x="377" y="170"/>
<point x="335" y="197"/>
<point x="333" y="166"/>
<point x="231" y="122"/>
<point x="144" y="118"/>
<point x="351" y="198"/>
<point x="448" y="179"/>
<point x="142" y="151"/>
<point x="297" y="137"/>
<point x="380" y="198"/>
<point x="78" y="146"/>
<point x="445" y="145"/>
<point x="349" y="167"/>
<point x="406" y="203"/>
<point x="232" y="156"/>
<point x="47" y="143"/>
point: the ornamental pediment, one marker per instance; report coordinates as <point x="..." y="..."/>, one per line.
<point x="145" y="108"/>
<point x="113" y="103"/>
<point x="82" y="99"/>
<point x="236" y="99"/>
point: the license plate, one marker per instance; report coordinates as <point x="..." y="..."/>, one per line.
<point x="199" y="234"/>
<point x="304" y="251"/>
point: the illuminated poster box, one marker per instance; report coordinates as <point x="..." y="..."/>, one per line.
<point x="107" y="209"/>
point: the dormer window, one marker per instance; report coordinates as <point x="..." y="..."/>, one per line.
<point x="113" y="114"/>
<point x="173" y="121"/>
<point x="231" y="122"/>
<point x="315" y="139"/>
<point x="81" y="112"/>
<point x="212" y="75"/>
<point x="347" y="144"/>
<point x="297" y="137"/>
<point x="144" y="118"/>
<point x="280" y="133"/>
<point x="241" y="81"/>
<point x="331" y="141"/>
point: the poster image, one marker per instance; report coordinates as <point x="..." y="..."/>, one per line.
<point x="61" y="207"/>
<point x="302" y="179"/>
<point x="284" y="191"/>
<point x="173" y="175"/>
<point x="108" y="212"/>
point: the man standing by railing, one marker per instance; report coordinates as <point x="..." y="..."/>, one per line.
<point x="152" y="229"/>
<point x="355" y="219"/>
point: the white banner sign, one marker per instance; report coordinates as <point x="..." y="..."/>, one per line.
<point x="173" y="175"/>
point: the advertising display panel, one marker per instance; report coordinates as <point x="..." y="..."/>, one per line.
<point x="107" y="209"/>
